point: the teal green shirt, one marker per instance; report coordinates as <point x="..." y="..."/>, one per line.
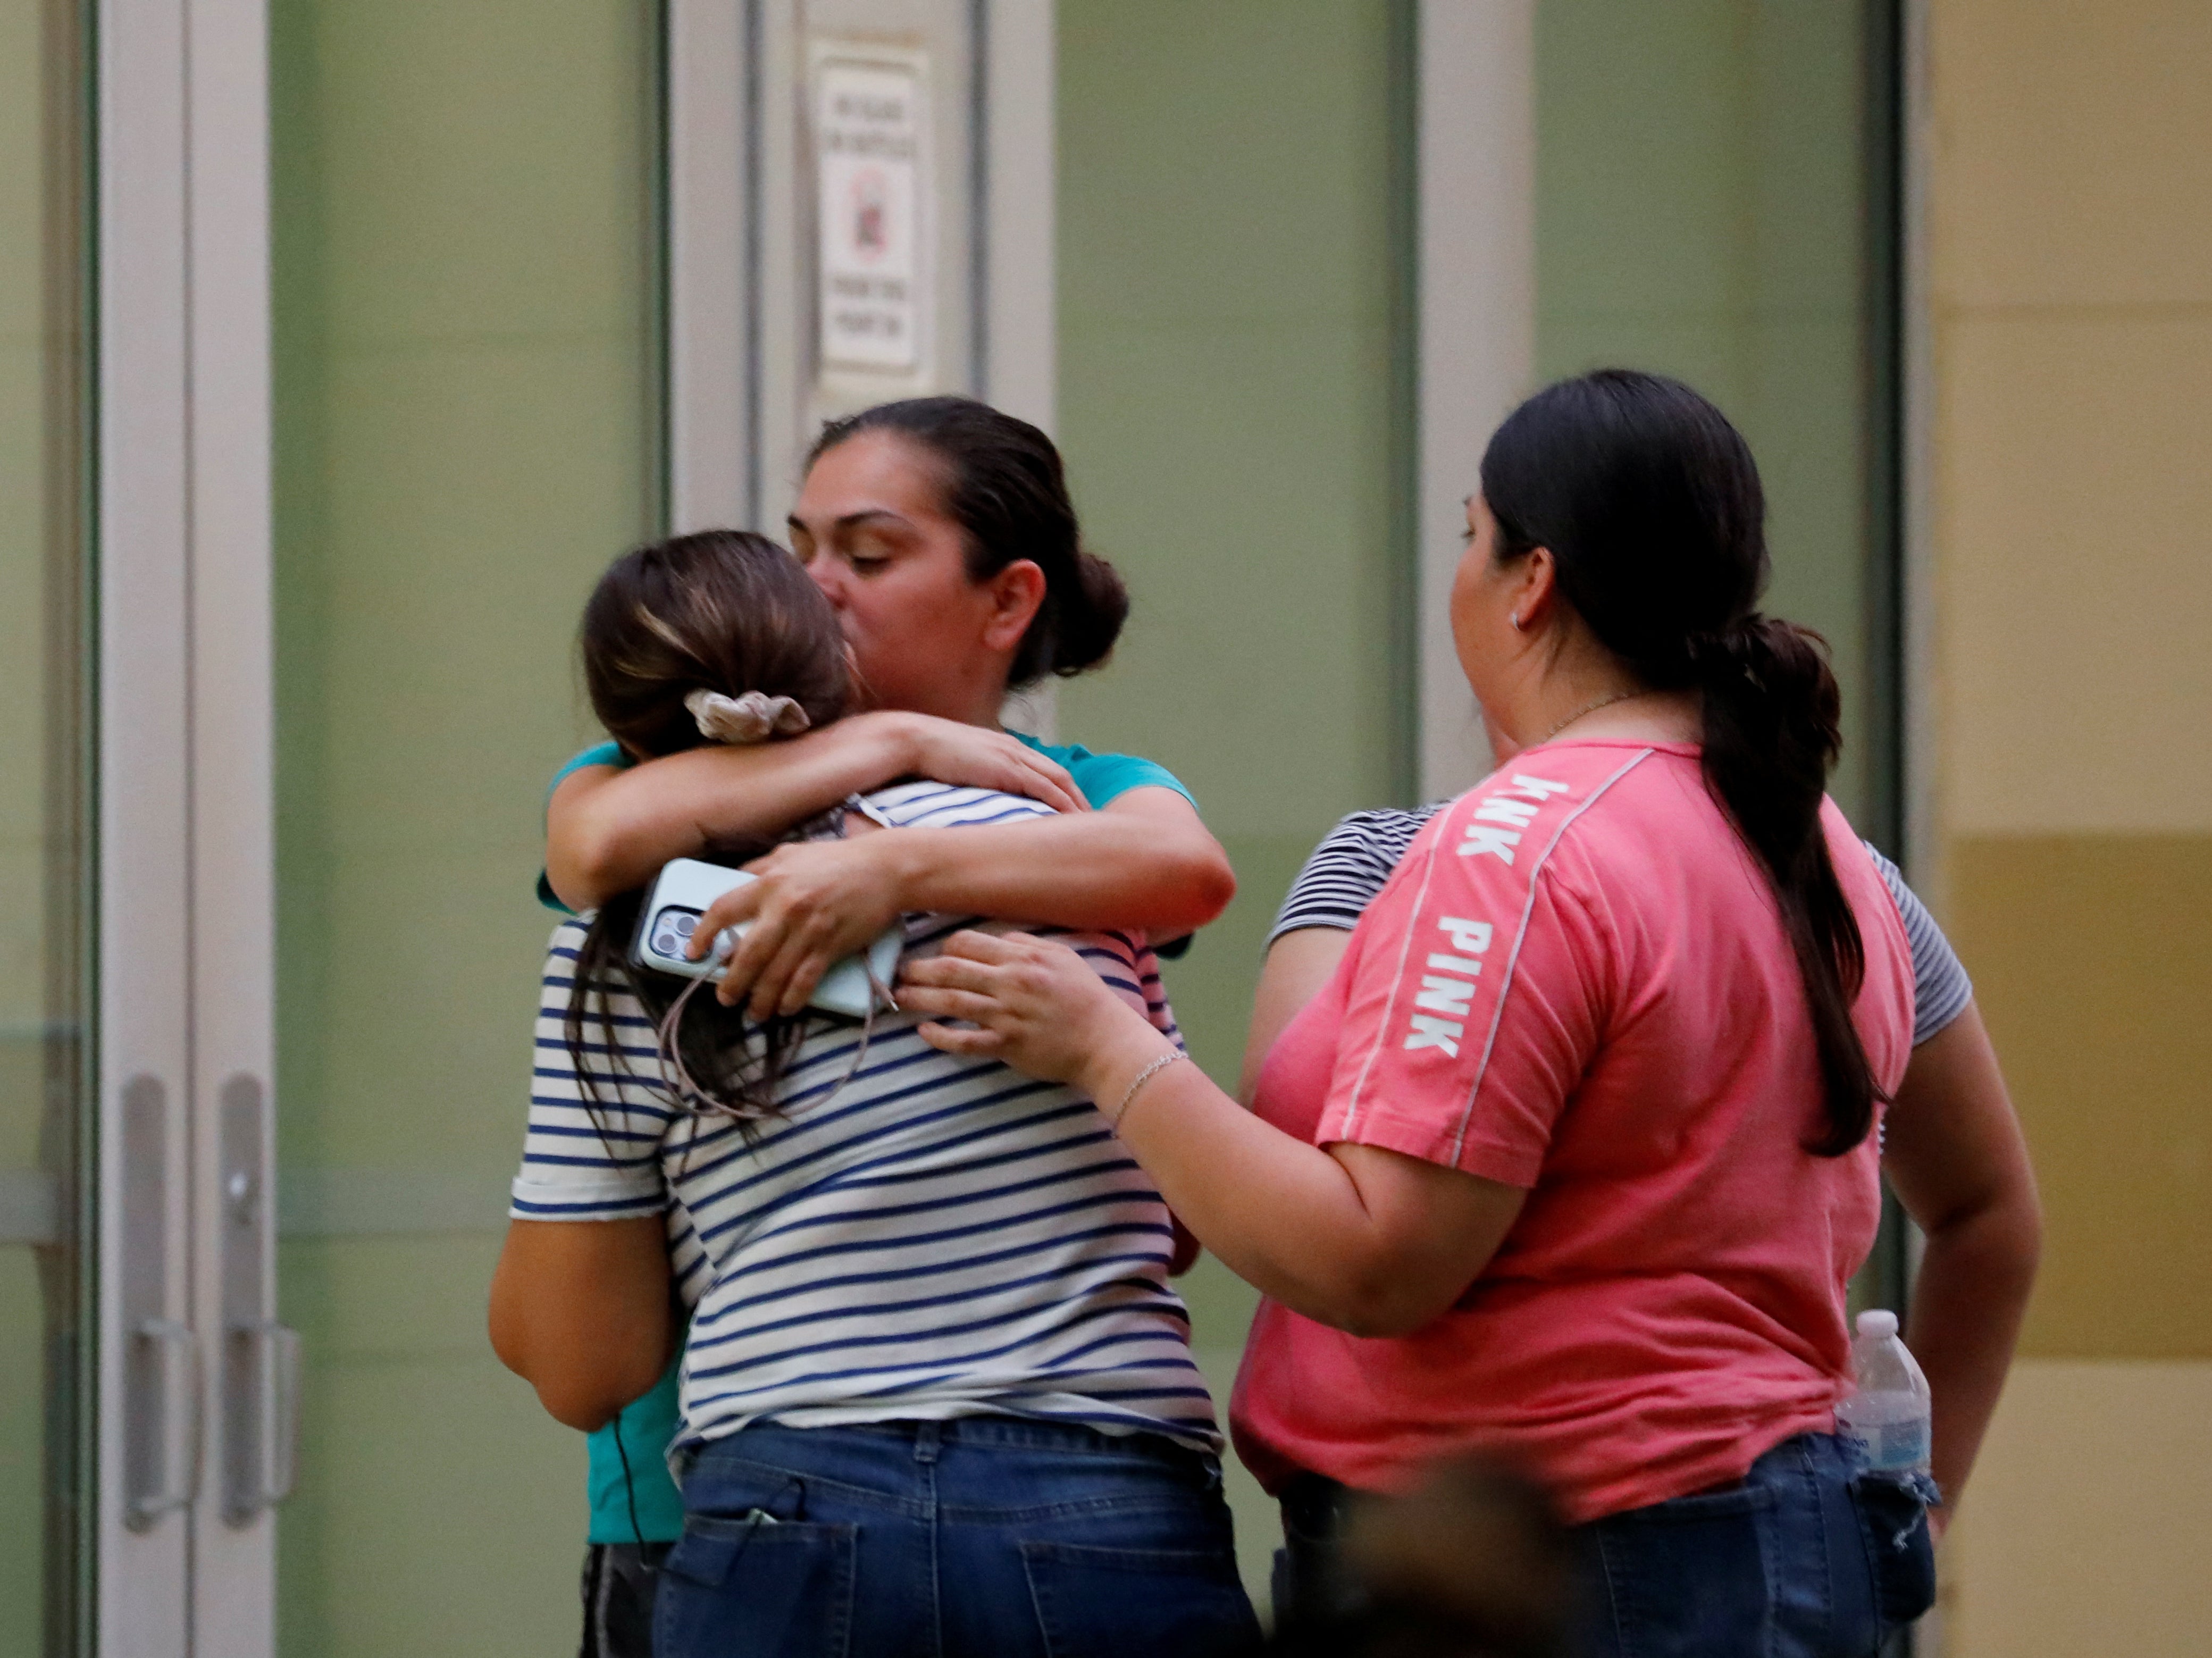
<point x="633" y="1498"/>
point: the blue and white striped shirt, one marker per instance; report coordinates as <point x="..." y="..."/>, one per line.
<point x="939" y="1237"/>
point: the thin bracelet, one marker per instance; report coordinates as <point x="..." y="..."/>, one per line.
<point x="1139" y="1081"/>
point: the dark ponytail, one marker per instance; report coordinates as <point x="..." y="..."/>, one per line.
<point x="1650" y="503"/>
<point x="720" y="610"/>
<point x="1005" y="486"/>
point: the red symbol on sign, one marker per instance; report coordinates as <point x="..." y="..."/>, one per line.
<point x="870" y="214"/>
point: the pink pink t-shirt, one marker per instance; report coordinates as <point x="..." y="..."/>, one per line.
<point x="1578" y="982"/>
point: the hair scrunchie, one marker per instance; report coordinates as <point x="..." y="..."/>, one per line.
<point x="752" y="718"/>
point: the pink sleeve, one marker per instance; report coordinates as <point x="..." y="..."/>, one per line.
<point x="1477" y="998"/>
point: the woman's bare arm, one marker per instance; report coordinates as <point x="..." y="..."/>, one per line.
<point x="607" y="829"/>
<point x="1955" y="1154"/>
<point x="1297" y="965"/>
<point x="1367" y="1240"/>
<point x="1144" y="862"/>
<point x="580" y="1309"/>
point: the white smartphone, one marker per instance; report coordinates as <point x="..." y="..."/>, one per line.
<point x="681" y="892"/>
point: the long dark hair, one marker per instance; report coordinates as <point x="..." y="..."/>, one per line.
<point x="1005" y="486"/>
<point x="1650" y="503"/>
<point x="721" y="610"/>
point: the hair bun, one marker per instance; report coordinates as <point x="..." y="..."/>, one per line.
<point x="1091" y="616"/>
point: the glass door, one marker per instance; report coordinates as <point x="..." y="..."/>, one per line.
<point x="44" y="831"/>
<point x="1716" y="199"/>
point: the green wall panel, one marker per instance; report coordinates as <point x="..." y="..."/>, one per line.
<point x="22" y="803"/>
<point x="1701" y="210"/>
<point x="44" y="391"/>
<point x="1232" y="335"/>
<point x="1233" y="398"/>
<point x="467" y="400"/>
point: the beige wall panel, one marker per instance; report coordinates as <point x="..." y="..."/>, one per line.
<point x="2074" y="520"/>
<point x="2089" y="962"/>
<point x="2074" y="151"/>
<point x="2088" y="1531"/>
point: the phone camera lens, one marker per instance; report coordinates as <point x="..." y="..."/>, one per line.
<point x="686" y="925"/>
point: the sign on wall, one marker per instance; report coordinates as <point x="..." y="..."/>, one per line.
<point x="871" y="167"/>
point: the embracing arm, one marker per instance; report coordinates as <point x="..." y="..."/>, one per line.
<point x="1956" y="1157"/>
<point x="1144" y="862"/>
<point x="1367" y="1240"/>
<point x="607" y="830"/>
<point x="580" y="1310"/>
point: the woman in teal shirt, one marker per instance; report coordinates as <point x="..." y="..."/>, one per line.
<point x="942" y="532"/>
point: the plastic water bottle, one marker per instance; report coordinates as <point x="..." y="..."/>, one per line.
<point x="1887" y="1410"/>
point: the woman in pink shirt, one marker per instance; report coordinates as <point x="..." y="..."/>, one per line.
<point x="1573" y="1155"/>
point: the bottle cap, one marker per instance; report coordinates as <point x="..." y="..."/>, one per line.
<point x="1877" y="1322"/>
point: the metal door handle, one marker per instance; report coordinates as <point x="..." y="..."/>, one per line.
<point x="165" y="1339"/>
<point x="162" y="1410"/>
<point x="283" y="1468"/>
<point x="266" y="1461"/>
<point x="261" y="1356"/>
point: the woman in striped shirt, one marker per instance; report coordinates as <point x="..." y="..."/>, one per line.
<point x="941" y="531"/>
<point x="936" y="1380"/>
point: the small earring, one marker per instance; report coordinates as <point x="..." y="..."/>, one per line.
<point x="1517" y="621"/>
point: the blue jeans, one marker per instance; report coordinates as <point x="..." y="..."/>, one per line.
<point x="989" y="1535"/>
<point x="1809" y="1557"/>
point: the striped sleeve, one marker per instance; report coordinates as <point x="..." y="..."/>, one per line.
<point x="1129" y="968"/>
<point x="1348" y="868"/>
<point x="1940" y="988"/>
<point x="945" y="805"/>
<point x="592" y="1150"/>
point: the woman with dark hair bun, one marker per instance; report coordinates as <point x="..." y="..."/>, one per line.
<point x="941" y="533"/>
<point x="1003" y="484"/>
<point x="1572" y="1157"/>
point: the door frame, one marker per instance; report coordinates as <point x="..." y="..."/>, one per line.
<point x="186" y="898"/>
<point x="734" y="117"/>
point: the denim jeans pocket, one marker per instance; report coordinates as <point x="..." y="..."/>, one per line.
<point x="1686" y="1578"/>
<point x="1165" y="1603"/>
<point x="1900" y="1552"/>
<point x="751" y="1587"/>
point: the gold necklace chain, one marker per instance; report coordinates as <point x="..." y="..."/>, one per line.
<point x="1587" y="708"/>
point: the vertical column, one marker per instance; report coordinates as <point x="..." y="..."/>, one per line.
<point x="1478" y="317"/>
<point x="714" y="402"/>
<point x="1017" y="312"/>
<point x="1017" y="139"/>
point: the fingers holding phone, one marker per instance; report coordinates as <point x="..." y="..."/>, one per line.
<point x="810" y="904"/>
